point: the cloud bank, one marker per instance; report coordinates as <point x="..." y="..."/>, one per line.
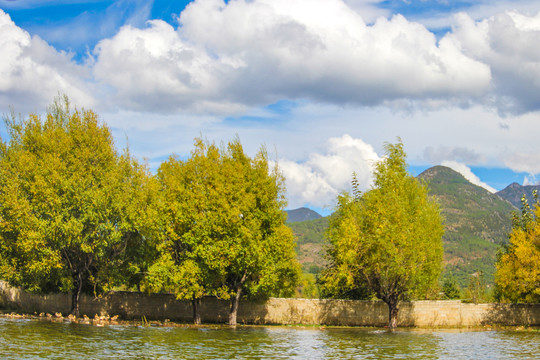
<point x="225" y="58"/>
<point x="228" y="56"/>
<point x="324" y="175"/>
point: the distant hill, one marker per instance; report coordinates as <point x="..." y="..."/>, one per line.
<point x="311" y="243"/>
<point x="302" y="214"/>
<point x="476" y="223"/>
<point x="514" y="192"/>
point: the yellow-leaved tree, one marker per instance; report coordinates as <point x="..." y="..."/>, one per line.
<point x="72" y="208"/>
<point x="386" y="241"/>
<point x="223" y="229"/>
<point x="518" y="266"/>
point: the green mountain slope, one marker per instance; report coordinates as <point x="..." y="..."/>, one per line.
<point x="311" y="243"/>
<point x="476" y="223"/>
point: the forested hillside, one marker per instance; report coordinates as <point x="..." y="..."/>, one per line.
<point x="477" y="222"/>
<point x="311" y="243"/>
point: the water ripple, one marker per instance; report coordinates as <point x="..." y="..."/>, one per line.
<point x="33" y="339"/>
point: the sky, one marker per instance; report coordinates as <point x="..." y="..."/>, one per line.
<point x="323" y="84"/>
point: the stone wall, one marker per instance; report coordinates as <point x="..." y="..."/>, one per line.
<point x="130" y="305"/>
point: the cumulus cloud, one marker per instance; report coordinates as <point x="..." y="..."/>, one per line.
<point x="446" y="153"/>
<point x="228" y="57"/>
<point x="508" y="43"/>
<point x="319" y="180"/>
<point x="468" y="174"/>
<point x="225" y="56"/>
<point x="528" y="162"/>
<point x="32" y="72"/>
<point x="153" y="69"/>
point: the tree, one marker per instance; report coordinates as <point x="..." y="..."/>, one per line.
<point x="225" y="227"/>
<point x="71" y="207"/>
<point x="476" y="289"/>
<point x="192" y="218"/>
<point x="451" y="288"/>
<point x="517" y="276"/>
<point x="387" y="240"/>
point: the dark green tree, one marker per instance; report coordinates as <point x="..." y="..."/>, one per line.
<point x="451" y="289"/>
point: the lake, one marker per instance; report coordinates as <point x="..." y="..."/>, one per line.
<point x="35" y="339"/>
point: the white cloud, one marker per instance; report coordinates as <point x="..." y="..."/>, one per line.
<point x="530" y="180"/>
<point x="468" y="174"/>
<point x="444" y="153"/>
<point x="319" y="180"/>
<point x="523" y="162"/>
<point x="508" y="43"/>
<point x="224" y="57"/>
<point x="152" y="69"/>
<point x="32" y="72"/>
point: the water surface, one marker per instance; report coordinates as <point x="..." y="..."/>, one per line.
<point x="34" y="339"/>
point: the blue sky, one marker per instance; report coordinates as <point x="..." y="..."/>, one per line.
<point x="322" y="83"/>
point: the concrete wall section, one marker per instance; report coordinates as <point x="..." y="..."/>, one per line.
<point x="278" y="311"/>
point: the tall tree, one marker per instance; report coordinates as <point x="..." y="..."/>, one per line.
<point x="387" y="240"/>
<point x="192" y="217"/>
<point x="517" y="277"/>
<point x="71" y="206"/>
<point x="261" y="252"/>
<point x="225" y="227"/>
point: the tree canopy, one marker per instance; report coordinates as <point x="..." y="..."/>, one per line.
<point x="518" y="267"/>
<point x="223" y="232"/>
<point x="72" y="208"/>
<point x="387" y="241"/>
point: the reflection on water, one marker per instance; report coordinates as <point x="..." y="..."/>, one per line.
<point x="33" y="339"/>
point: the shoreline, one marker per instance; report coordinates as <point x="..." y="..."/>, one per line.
<point x="102" y="321"/>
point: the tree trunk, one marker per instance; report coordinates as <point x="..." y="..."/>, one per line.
<point x="392" y="314"/>
<point x="196" y="311"/>
<point x="234" y="306"/>
<point x="76" y="295"/>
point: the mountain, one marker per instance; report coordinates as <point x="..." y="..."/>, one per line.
<point x="514" y="192"/>
<point x="301" y="214"/>
<point x="311" y="243"/>
<point x="477" y="222"/>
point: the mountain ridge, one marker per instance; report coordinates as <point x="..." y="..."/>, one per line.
<point x="302" y="214"/>
<point x="514" y="192"/>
